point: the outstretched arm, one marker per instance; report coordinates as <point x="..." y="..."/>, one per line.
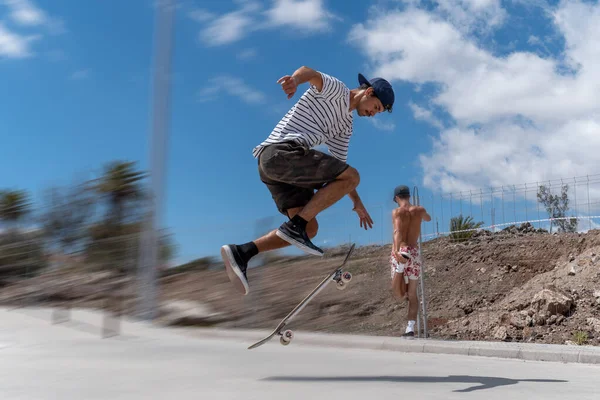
<point x="300" y="76"/>
<point x="354" y="196"/>
<point x="305" y="74"/>
<point x="359" y="208"/>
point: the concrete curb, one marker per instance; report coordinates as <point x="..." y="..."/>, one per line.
<point x="521" y="351"/>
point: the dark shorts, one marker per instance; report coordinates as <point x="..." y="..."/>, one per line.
<point x="293" y="172"/>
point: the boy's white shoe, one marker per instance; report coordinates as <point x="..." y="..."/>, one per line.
<point x="410" y="329"/>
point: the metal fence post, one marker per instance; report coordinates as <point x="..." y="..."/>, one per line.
<point x="421" y="279"/>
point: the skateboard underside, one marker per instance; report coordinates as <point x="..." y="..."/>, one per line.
<point x="338" y="276"/>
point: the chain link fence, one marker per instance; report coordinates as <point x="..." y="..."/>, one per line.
<point x="507" y="279"/>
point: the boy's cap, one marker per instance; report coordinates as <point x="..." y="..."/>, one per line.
<point x="401" y="190"/>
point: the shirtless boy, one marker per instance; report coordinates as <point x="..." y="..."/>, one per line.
<point x="405" y="261"/>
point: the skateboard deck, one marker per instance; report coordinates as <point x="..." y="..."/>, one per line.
<point x="341" y="279"/>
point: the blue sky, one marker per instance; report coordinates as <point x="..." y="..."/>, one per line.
<point x="488" y="93"/>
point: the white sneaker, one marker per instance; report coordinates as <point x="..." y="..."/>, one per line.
<point x="410" y="329"/>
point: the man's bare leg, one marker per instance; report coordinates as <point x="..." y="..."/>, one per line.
<point x="413" y="300"/>
<point x="236" y="258"/>
<point x="399" y="287"/>
<point x="413" y="305"/>
<point x="297" y="231"/>
<point x="327" y="196"/>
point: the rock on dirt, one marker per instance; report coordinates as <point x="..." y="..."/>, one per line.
<point x="501" y="333"/>
<point x="594" y="323"/>
<point x="552" y="301"/>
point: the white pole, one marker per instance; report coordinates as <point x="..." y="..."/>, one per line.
<point x="423" y="311"/>
<point x="148" y="256"/>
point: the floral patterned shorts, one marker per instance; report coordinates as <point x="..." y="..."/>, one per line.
<point x="412" y="267"/>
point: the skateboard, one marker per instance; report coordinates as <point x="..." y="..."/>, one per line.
<point x="340" y="278"/>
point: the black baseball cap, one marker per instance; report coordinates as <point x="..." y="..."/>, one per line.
<point x="401" y="190"/>
<point x="383" y="90"/>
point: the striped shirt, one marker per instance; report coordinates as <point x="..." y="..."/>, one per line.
<point x="318" y="118"/>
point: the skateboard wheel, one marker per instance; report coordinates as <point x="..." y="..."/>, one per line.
<point x="286" y="337"/>
<point x="341" y="285"/>
<point x="346" y="277"/>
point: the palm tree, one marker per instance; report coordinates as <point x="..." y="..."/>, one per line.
<point x="18" y="256"/>
<point x="120" y="184"/>
<point x="463" y="228"/>
<point x="14" y="205"/>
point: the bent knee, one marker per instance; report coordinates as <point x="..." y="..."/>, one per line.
<point x="351" y="175"/>
<point x="397" y="288"/>
<point x="312" y="228"/>
<point x="398" y="293"/>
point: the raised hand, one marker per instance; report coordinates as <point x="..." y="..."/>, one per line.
<point x="289" y="85"/>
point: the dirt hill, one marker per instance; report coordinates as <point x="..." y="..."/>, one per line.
<point x="520" y="284"/>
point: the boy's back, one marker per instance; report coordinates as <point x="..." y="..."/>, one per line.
<point x="407" y="221"/>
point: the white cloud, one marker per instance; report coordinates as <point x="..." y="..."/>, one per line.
<point x="200" y="15"/>
<point x="516" y="118"/>
<point x="230" y="27"/>
<point x="80" y="74"/>
<point x="472" y="15"/>
<point x="247" y="54"/>
<point x="233" y="86"/>
<point x="426" y="115"/>
<point x="26" y="13"/>
<point x="416" y="46"/>
<point x="208" y="93"/>
<point x="13" y="45"/>
<point x="301" y="16"/>
<point x="534" y="40"/>
<point x="383" y="126"/>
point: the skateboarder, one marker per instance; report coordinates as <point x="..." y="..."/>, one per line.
<point x="405" y="261"/>
<point x="292" y="169"/>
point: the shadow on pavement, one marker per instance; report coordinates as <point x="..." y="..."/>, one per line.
<point x="485" y="382"/>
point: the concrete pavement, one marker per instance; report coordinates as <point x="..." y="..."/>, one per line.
<point x="521" y="351"/>
<point x="71" y="361"/>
